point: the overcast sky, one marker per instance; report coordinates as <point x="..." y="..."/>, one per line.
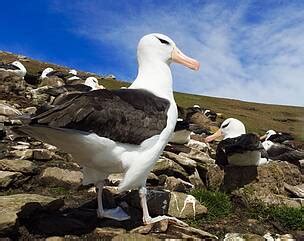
<point x="249" y="50"/>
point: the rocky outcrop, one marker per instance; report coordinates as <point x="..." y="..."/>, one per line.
<point x="11" y="205"/>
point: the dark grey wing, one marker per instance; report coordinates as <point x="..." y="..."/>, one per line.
<point x="280" y="137"/>
<point x="56" y="91"/>
<point x="8" y="66"/>
<point x="284" y="153"/>
<point x="243" y="143"/>
<point x="58" y="73"/>
<point x="278" y="149"/>
<point x="291" y="156"/>
<point x="126" y="116"/>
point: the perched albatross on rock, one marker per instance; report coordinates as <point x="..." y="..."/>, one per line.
<point x="123" y="130"/>
<point x="16" y="67"/>
<point x="237" y="148"/>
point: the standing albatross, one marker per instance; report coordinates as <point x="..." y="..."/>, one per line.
<point x="118" y="131"/>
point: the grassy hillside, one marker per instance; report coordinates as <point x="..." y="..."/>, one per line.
<point x="257" y="117"/>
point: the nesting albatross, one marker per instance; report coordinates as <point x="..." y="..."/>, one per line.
<point x="16" y="67"/>
<point x="123" y="130"/>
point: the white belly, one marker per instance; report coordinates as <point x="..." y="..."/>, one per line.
<point x="249" y="158"/>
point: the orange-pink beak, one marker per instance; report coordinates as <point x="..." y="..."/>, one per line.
<point x="212" y="137"/>
<point x="179" y="57"/>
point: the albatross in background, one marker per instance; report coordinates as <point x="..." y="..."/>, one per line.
<point x="16" y="67"/>
<point x="237" y="148"/>
<point x="123" y="130"/>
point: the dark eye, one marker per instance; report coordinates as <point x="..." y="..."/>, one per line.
<point x="224" y="126"/>
<point x="163" y="41"/>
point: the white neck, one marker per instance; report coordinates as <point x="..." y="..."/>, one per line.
<point x="154" y="76"/>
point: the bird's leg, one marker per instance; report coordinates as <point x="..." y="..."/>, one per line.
<point x="115" y="213"/>
<point x="146" y="216"/>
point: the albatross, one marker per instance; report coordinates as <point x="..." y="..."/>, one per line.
<point x="119" y="131"/>
<point x="16" y="67"/>
<point x="237" y="148"/>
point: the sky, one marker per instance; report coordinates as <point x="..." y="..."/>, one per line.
<point x="248" y="50"/>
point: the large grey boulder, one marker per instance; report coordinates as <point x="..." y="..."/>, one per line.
<point x="54" y="176"/>
<point x="18" y="165"/>
<point x="12" y="204"/>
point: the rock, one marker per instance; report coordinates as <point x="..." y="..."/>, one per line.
<point x="199" y="156"/>
<point x="2" y="131"/>
<point x="50" y="147"/>
<point x="133" y="237"/>
<point x="157" y="200"/>
<point x="108" y="232"/>
<point x="23" y="166"/>
<point x="184" y="161"/>
<point x="7" y="110"/>
<point x="264" y="184"/>
<point x="177" y="148"/>
<point x="115" y="179"/>
<point x="54" y="176"/>
<point x="170" y="168"/>
<point x="7" y="178"/>
<point x="169" y="230"/>
<point x="12" y="204"/>
<point x="30" y="110"/>
<point x="243" y="237"/>
<point x="201" y="146"/>
<point x="153" y="179"/>
<point x="177" y="184"/>
<point x="298" y="190"/>
<point x="22" y="154"/>
<point x="196" y="180"/>
<point x="42" y="154"/>
<point x="211" y="175"/>
<point x="185" y="206"/>
<point x="55" y="238"/>
<point x="20" y="147"/>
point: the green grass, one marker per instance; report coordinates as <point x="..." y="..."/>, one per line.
<point x="288" y="217"/>
<point x="217" y="203"/>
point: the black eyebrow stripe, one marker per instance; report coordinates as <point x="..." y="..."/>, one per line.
<point x="163" y="41"/>
<point x="224" y="126"/>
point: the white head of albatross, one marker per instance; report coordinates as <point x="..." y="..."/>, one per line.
<point x="45" y="72"/>
<point x="230" y="128"/>
<point x="93" y="83"/>
<point x="267" y="135"/>
<point x="16" y="67"/>
<point x="122" y="130"/>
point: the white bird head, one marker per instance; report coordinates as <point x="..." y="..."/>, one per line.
<point x="93" y="83"/>
<point x="73" y="71"/>
<point x="267" y="135"/>
<point x="160" y="47"/>
<point x="230" y="128"/>
<point x="22" y="69"/>
<point x="45" y="72"/>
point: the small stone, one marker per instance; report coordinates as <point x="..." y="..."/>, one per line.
<point x="20" y="147"/>
<point x="108" y="232"/>
<point x="184" y="161"/>
<point x="175" y="184"/>
<point x="30" y="110"/>
<point x="50" y="147"/>
<point x="6" y="178"/>
<point x="185" y="206"/>
<point x="133" y="237"/>
<point x="23" y="143"/>
<point x="23" y="166"/>
<point x="153" y="179"/>
<point x="198" y="145"/>
<point x="170" y="168"/>
<point x="42" y="154"/>
<point x="199" y="156"/>
<point x="22" y="154"/>
<point x="54" y="176"/>
<point x="55" y="238"/>
<point x="7" y="110"/>
<point x="115" y="179"/>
